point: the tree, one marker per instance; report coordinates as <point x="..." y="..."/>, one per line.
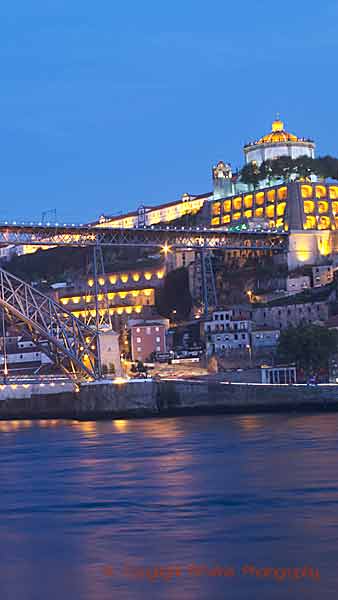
<point x="250" y="174"/>
<point x="309" y="346"/>
<point x="175" y="295"/>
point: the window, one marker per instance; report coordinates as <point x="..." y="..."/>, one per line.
<point x="138" y="330"/>
<point x="157" y="329"/>
<point x="148" y="330"/>
<point x="158" y="339"/>
<point x="158" y="349"/>
<point x="138" y="340"/>
<point x="138" y="349"/>
<point x="243" y="336"/>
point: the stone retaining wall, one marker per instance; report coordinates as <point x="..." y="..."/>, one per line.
<point x="139" y="399"/>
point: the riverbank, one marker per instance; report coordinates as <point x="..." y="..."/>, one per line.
<point x="148" y="398"/>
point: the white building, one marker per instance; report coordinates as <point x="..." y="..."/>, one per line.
<point x="277" y="143"/>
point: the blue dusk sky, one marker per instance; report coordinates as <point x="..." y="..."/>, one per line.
<point x="108" y="105"/>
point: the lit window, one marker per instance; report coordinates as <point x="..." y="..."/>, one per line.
<point x="309" y="207"/>
<point x="320" y="191"/>
<point x="282" y="193"/>
<point x="227" y="206"/>
<point x="259" y="198"/>
<point x="270" y="211"/>
<point x="306" y="191"/>
<point x="237" y="203"/>
<point x="216" y="208"/>
<point x="226" y="219"/>
<point x="259" y="212"/>
<point x="215" y="221"/>
<point x="158" y="339"/>
<point x="310" y="223"/>
<point x="248" y="201"/>
<point x="281" y="209"/>
<point x="333" y="191"/>
<point x="324" y="223"/>
<point x="323" y="207"/>
<point x="236" y="216"/>
<point x="271" y="195"/>
<point x="138" y="340"/>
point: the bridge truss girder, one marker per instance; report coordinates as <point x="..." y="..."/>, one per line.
<point x="74" y="344"/>
<point x="177" y="239"/>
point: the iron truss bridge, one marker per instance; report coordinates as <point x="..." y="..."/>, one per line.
<point x="70" y="343"/>
<point x="177" y="239"/>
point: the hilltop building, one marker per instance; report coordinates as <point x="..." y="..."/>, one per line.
<point x="277" y="143"/>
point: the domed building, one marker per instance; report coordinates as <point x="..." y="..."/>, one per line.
<point x="278" y="142"/>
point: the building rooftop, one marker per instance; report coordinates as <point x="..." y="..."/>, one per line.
<point x="278" y="135"/>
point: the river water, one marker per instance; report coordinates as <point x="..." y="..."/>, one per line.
<point x="175" y="509"/>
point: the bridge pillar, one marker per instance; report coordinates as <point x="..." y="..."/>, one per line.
<point x="109" y="351"/>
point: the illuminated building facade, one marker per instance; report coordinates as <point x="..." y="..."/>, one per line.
<point x="125" y="294"/>
<point x="146" y="216"/>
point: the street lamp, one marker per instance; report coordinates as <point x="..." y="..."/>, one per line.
<point x="248" y="347"/>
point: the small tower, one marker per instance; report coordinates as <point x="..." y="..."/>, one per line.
<point x="222" y="180"/>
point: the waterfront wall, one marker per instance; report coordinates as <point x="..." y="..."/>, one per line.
<point x="141" y="399"/>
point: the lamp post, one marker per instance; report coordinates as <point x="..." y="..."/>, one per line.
<point x="248" y="347"/>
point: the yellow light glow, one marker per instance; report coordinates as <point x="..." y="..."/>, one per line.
<point x="165" y="249"/>
<point x="237" y="203"/>
<point x="333" y="191"/>
<point x="248" y="201"/>
<point x="160" y="274"/>
<point x="101" y="280"/>
<point x="270" y="211"/>
<point x="282" y="193"/>
<point x="215" y="221"/>
<point x="306" y="191"/>
<point x="309" y="206"/>
<point x="236" y="216"/>
<point x="227" y="206"/>
<point x="113" y="279"/>
<point x="148" y="276"/>
<point x="259" y="199"/>
<point x="136" y="276"/>
<point x="226" y="219"/>
<point x="323" y="207"/>
<point x="216" y="208"/>
<point x="90" y="282"/>
<point x="281" y="209"/>
<point x="320" y="191"/>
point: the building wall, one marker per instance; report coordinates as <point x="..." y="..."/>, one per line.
<point x="322" y="275"/>
<point x="261" y="339"/>
<point x="298" y="284"/>
<point x="280" y="317"/>
<point x="146" y="339"/>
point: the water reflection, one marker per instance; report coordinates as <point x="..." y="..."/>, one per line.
<point x="80" y="496"/>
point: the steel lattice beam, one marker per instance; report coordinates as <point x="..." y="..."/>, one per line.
<point x="178" y="239"/>
<point x="75" y="344"/>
